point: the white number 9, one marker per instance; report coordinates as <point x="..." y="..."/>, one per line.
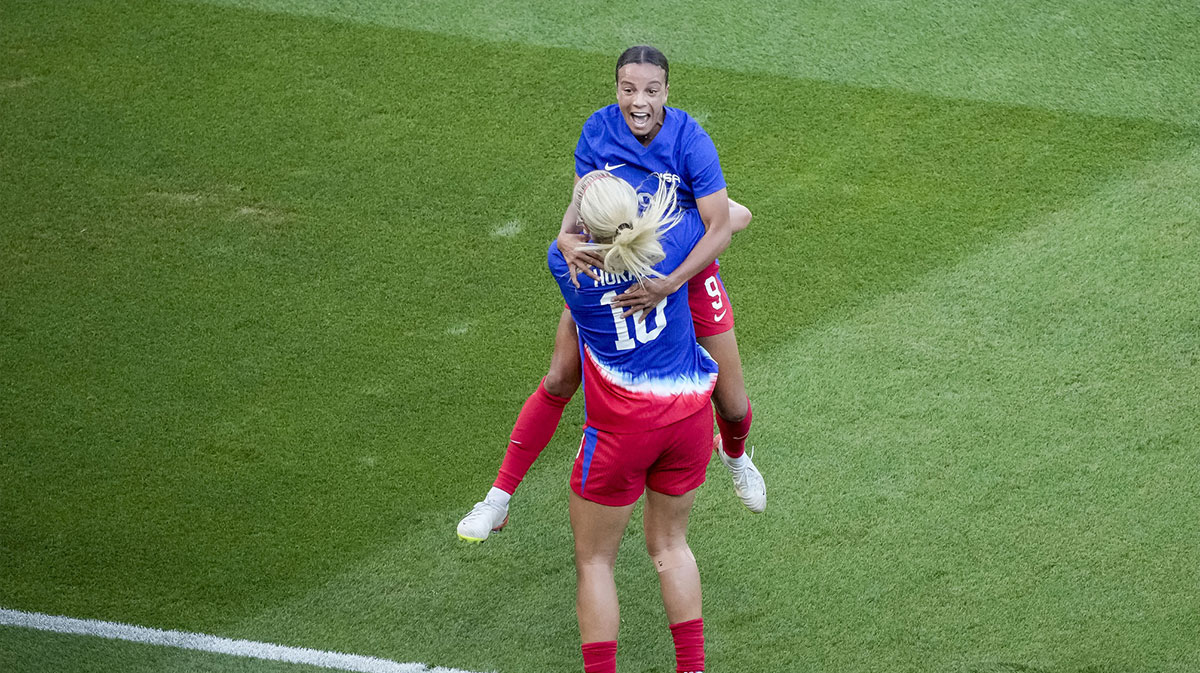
<point x="714" y="291"/>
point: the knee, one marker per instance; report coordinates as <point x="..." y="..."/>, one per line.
<point x="561" y="380"/>
<point x="670" y="558"/>
<point x="560" y="383"/>
<point x="732" y="411"/>
<point x="594" y="562"/>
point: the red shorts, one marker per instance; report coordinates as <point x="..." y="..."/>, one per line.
<point x="615" y="468"/>
<point x="711" y="312"/>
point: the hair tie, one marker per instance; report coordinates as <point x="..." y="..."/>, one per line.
<point x="594" y="180"/>
<point x="624" y="225"/>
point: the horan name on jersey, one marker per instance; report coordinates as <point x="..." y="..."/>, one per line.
<point x="607" y="278"/>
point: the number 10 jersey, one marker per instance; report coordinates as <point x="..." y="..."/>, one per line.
<point x="639" y="375"/>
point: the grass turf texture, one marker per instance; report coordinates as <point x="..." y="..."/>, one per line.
<point x="1099" y="56"/>
<point x="272" y="293"/>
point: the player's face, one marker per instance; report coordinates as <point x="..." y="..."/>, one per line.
<point x="641" y="95"/>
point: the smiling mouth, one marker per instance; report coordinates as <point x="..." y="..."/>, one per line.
<point x="640" y="118"/>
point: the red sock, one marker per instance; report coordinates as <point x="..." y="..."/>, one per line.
<point x="535" y="426"/>
<point x="734" y="434"/>
<point x="689" y="645"/>
<point x="600" y="657"/>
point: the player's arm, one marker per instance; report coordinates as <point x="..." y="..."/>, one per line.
<point x="570" y="238"/>
<point x="714" y="211"/>
<point x="739" y="216"/>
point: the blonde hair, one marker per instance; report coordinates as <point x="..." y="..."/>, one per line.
<point x="628" y="239"/>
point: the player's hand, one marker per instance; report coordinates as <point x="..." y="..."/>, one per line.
<point x="643" y="296"/>
<point x="579" y="261"/>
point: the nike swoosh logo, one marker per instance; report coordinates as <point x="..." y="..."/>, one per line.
<point x="717" y="317"/>
<point x="612" y="167"/>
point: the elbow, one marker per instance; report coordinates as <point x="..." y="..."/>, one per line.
<point x="739" y="216"/>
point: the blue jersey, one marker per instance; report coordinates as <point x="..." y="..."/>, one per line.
<point x="681" y="153"/>
<point x="639" y="375"/>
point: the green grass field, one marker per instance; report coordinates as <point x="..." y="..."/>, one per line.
<point x="273" y="288"/>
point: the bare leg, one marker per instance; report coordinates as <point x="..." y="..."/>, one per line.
<point x="729" y="396"/>
<point x="565" y="367"/>
<point x="598" y="530"/>
<point x="665" y="522"/>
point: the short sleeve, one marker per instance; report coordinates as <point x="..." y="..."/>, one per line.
<point x="585" y="149"/>
<point x="679" y="240"/>
<point x="703" y="168"/>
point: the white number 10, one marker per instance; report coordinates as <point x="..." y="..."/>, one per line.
<point x="624" y="341"/>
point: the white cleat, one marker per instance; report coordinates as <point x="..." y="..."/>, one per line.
<point x="748" y="482"/>
<point x="482" y="520"/>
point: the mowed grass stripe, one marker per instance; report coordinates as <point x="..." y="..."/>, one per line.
<point x="231" y="382"/>
<point x="1082" y="56"/>
<point x="991" y="470"/>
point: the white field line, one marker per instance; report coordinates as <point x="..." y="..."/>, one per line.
<point x="206" y="643"/>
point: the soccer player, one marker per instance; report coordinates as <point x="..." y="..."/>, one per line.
<point x="647" y="386"/>
<point x="645" y="143"/>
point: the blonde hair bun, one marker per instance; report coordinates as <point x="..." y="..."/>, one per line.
<point x="627" y="235"/>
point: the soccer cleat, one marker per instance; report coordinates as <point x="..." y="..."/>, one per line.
<point x="748" y="482"/>
<point x="483" y="519"/>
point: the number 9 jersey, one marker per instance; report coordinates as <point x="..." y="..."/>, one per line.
<point x="638" y="375"/>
